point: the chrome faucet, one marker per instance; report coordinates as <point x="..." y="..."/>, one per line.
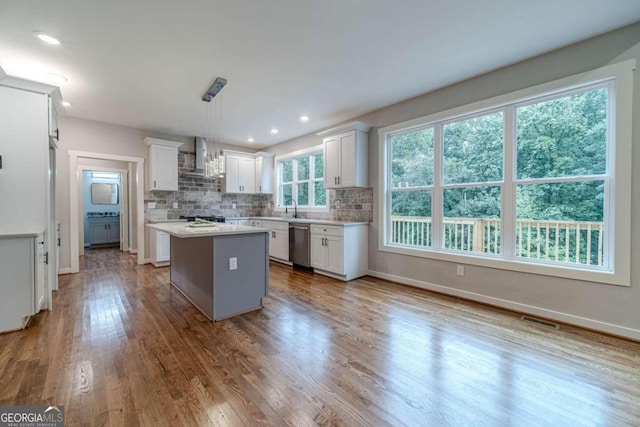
<point x="295" y="208"/>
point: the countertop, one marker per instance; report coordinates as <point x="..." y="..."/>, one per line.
<point x="178" y="229"/>
<point x="302" y="220"/>
<point x="160" y="221"/>
<point x="20" y="235"/>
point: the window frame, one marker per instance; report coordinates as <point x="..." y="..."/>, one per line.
<point x="294" y="156"/>
<point x="617" y="205"/>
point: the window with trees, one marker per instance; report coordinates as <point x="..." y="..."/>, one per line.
<point x="300" y="179"/>
<point x="529" y="179"/>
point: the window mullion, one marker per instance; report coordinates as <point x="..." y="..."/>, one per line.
<point x="508" y="199"/>
<point x="312" y="175"/>
<point x="294" y="181"/>
<point x="436" y="194"/>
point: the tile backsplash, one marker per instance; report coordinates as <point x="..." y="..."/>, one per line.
<point x="198" y="195"/>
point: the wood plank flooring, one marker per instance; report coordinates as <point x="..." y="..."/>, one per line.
<point x="122" y="348"/>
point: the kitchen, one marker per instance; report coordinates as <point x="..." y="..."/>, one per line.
<point x="348" y="316"/>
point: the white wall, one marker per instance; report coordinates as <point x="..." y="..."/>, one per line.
<point x="90" y="136"/>
<point x="605" y="307"/>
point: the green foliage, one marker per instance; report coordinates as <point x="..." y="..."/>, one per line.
<point x="473" y="149"/>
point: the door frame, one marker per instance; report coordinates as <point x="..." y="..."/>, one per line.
<point x="73" y="201"/>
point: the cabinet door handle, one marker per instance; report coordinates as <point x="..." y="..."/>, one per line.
<point x="335" y="180"/>
<point x="46" y="258"/>
<point x="154" y="183"/>
<point x="58" y="134"/>
<point x="260" y="188"/>
<point x="338" y="180"/>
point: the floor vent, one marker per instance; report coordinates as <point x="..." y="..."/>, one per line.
<point x="540" y="322"/>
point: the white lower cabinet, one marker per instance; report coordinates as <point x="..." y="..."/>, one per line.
<point x="278" y="239"/>
<point x="339" y="251"/>
<point x="23" y="262"/>
<point x="160" y="245"/>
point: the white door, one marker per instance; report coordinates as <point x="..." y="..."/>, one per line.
<point x="165" y="173"/>
<point x="331" y="162"/>
<point x="335" y="255"/>
<point x="347" y="144"/>
<point x="163" y="246"/>
<point x="318" y="252"/>
<point x="258" y="175"/>
<point x="40" y="273"/>
<point x="232" y="165"/>
<point x="281" y="244"/>
<point x="247" y="175"/>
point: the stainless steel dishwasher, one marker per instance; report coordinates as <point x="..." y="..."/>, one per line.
<point x="299" y="244"/>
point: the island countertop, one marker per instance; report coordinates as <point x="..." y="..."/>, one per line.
<point x="185" y="230"/>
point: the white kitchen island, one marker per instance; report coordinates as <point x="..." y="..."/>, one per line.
<point x="222" y="269"/>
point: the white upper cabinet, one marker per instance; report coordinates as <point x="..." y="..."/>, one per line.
<point x="345" y="156"/>
<point x="163" y="164"/>
<point x="240" y="176"/>
<point x="264" y="173"/>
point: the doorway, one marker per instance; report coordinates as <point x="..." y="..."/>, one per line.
<point x="104" y="199"/>
<point x="131" y="170"/>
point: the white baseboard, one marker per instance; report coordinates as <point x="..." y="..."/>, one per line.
<point x="147" y="261"/>
<point x="571" y="319"/>
<point x="133" y="251"/>
<point x="65" y="270"/>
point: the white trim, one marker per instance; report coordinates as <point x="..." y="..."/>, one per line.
<point x="64" y="270"/>
<point x="559" y="316"/>
<point x="302" y="208"/>
<point x="299" y="153"/>
<point x="345" y="128"/>
<point x="73" y="201"/>
<point x="166" y="143"/>
<point x="619" y="258"/>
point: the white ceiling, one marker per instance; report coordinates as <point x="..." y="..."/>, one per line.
<point x="146" y="63"/>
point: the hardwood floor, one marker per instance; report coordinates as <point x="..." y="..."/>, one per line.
<point x="122" y="348"/>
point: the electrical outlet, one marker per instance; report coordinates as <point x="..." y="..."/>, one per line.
<point x="337" y="204"/>
<point x="233" y="205"/>
<point x="151" y="205"/>
<point x="233" y="263"/>
<point x="175" y="205"/>
<point x="460" y="270"/>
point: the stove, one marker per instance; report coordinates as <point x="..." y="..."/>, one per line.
<point x="212" y="218"/>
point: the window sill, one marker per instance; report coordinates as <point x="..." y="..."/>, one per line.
<point x="303" y="209"/>
<point x="520" y="265"/>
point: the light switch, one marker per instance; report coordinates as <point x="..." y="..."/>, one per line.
<point x="151" y="205"/>
<point x="233" y="263"/>
<point x="337" y="204"/>
<point x="175" y="205"/>
<point x="233" y="205"/>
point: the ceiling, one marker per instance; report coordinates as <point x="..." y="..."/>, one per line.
<point x="146" y="63"/>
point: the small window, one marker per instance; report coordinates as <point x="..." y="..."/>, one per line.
<point x="300" y="180"/>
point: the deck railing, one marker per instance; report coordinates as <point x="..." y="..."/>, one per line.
<point x="565" y="241"/>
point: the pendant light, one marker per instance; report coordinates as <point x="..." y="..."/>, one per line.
<point x="214" y="166"/>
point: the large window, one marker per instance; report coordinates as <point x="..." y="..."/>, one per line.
<point x="301" y="180"/>
<point x="526" y="182"/>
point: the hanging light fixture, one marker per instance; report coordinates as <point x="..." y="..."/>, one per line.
<point x="214" y="157"/>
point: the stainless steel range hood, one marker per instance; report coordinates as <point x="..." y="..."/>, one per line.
<point x="201" y="153"/>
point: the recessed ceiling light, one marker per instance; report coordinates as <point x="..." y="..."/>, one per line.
<point x="250" y="139"/>
<point x="304" y="118"/>
<point x="55" y="78"/>
<point x="66" y="103"/>
<point x="47" y="38"/>
<point x="274" y="131"/>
